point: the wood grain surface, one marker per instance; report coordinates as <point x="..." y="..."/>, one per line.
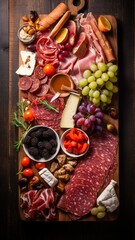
<point x="11" y="227"/>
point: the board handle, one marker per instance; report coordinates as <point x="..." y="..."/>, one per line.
<point x="74" y="9"/>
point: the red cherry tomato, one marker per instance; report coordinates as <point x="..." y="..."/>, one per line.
<point x="49" y="70"/>
<point x="25" y="161"/>
<point x="28" y="172"/>
<point x="28" y="115"/>
<point x="40" y="165"/>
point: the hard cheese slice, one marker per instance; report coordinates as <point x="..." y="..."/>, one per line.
<point x="69" y="110"/>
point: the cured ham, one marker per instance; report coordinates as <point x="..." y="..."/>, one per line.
<point x="91" y="174"/>
<point x="39" y="204"/>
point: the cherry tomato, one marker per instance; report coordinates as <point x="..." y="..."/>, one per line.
<point x="25" y="161"/>
<point x="28" y="172"/>
<point x="49" y="70"/>
<point x="40" y="165"/>
<point x="28" y="115"/>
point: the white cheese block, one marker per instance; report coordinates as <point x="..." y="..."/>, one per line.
<point x="69" y="110"/>
<point x="108" y="197"/>
<point x="28" y="63"/>
<point x="48" y="177"/>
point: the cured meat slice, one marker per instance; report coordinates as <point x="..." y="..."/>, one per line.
<point x="78" y="200"/>
<point x="39" y="204"/>
<point x="24" y="83"/>
<point x="43" y="90"/>
<point x="92" y="174"/>
<point x="35" y="84"/>
<point x="39" y="73"/>
<point x="48" y="117"/>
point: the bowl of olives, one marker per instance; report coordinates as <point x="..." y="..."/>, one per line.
<point x="41" y="143"/>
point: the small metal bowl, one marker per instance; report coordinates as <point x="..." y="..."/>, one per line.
<point x="25" y="37"/>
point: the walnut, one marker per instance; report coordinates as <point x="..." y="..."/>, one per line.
<point x="64" y="177"/>
<point x="61" y="159"/>
<point x="72" y="163"/>
<point x="59" y="172"/>
<point x="54" y="167"/>
<point x="68" y="167"/>
<point x="60" y="187"/>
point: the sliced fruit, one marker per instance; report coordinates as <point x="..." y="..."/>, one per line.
<point x="62" y="35"/>
<point x="104" y="24"/>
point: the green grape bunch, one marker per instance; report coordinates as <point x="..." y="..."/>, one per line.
<point x="99" y="83"/>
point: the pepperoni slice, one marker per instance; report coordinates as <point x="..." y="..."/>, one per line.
<point x="25" y="83"/>
<point x="35" y="84"/>
<point x="39" y="73"/>
<point x="43" y="90"/>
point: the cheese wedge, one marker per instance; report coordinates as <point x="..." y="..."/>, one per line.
<point x="28" y="63"/>
<point x="69" y="110"/>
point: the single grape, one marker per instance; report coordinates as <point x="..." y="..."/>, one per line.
<point x="105" y="91"/>
<point x="92" y="108"/>
<point x="115" y="89"/>
<point x="98" y="121"/>
<point x="99" y="81"/>
<point x="61" y="57"/>
<point x="109" y="85"/>
<point x="85" y="91"/>
<point x="99" y="115"/>
<point x="92" y="118"/>
<point x="110" y="74"/>
<point x="113" y="79"/>
<point x="96" y="100"/>
<point x="101" y="208"/>
<point x="91" y="79"/>
<point x="97" y="109"/>
<point x="80" y="121"/>
<point x="96" y="94"/>
<point x="87" y="122"/>
<point x="94" y="211"/>
<point x="103" y="98"/>
<point x="102" y="66"/>
<point x="113" y="68"/>
<point x="109" y="100"/>
<point x="100" y="214"/>
<point x="65" y="53"/>
<point x="77" y="116"/>
<point x="93" y="67"/>
<point x="98" y="128"/>
<point x="68" y="46"/>
<point x="93" y="85"/>
<point x="91" y="92"/>
<point x="84" y="104"/>
<point x="109" y="64"/>
<point x="105" y="77"/>
<point x="83" y="82"/>
<point x="86" y="73"/>
<point x="82" y="109"/>
<point x="98" y="73"/>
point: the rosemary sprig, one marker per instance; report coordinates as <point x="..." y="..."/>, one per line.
<point x="48" y="106"/>
<point x="18" y="122"/>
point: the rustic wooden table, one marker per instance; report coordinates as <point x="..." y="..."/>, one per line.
<point x="10" y="224"/>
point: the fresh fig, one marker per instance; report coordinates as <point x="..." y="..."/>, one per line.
<point x="71" y="25"/>
<point x="80" y="47"/>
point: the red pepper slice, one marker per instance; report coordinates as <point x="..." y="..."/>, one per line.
<point x="84" y="147"/>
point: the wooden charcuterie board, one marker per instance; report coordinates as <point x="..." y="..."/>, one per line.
<point x="62" y="216"/>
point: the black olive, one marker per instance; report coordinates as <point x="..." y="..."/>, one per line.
<point x="23" y="182"/>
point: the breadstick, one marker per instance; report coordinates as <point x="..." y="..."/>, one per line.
<point x="52" y="17"/>
<point x="60" y="24"/>
<point x="102" y="40"/>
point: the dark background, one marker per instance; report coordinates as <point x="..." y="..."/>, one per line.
<point x="11" y="227"/>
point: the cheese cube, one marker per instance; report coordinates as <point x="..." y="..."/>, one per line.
<point x="69" y="110"/>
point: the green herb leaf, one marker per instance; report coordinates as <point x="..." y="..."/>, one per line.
<point x="48" y="106"/>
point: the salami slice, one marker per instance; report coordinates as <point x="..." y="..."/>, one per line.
<point x="39" y="73"/>
<point x="35" y="84"/>
<point x="43" y="90"/>
<point x="25" y="83"/>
